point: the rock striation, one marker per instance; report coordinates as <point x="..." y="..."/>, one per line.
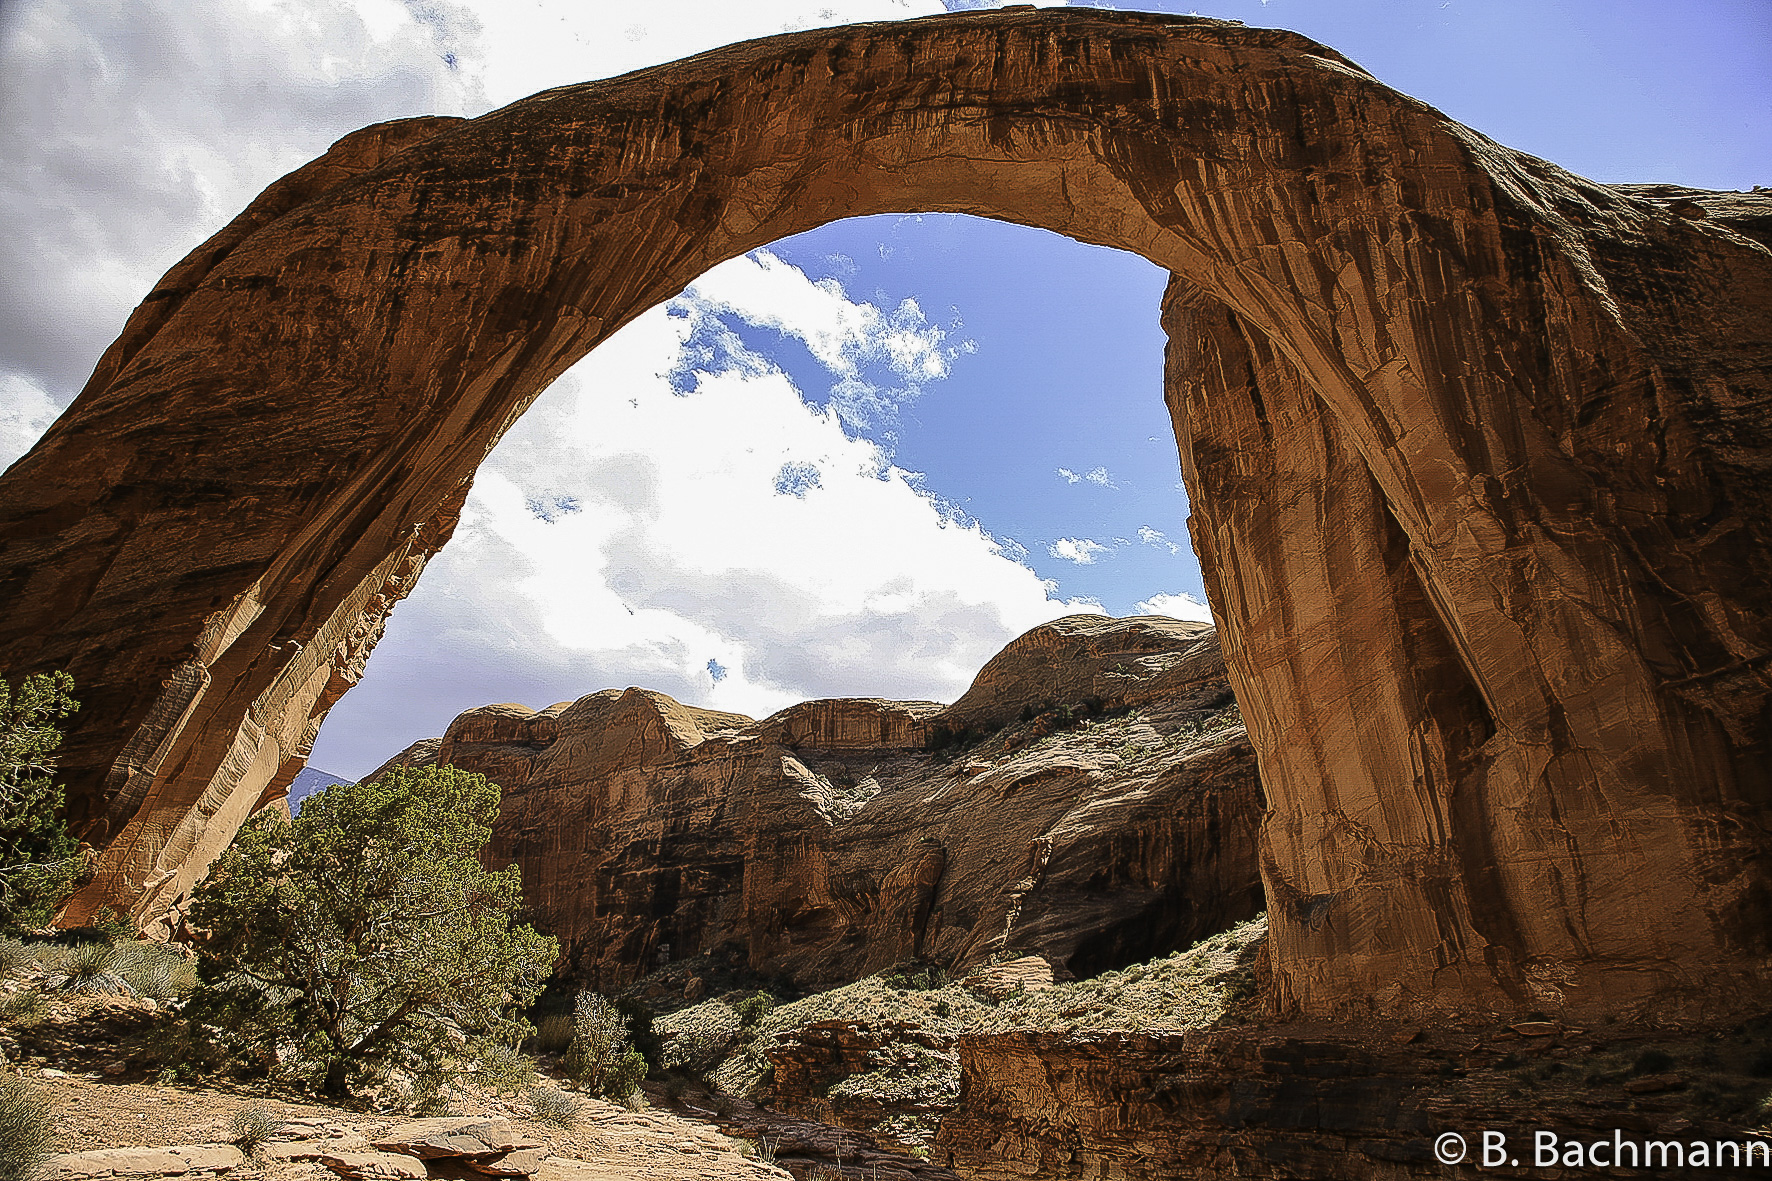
<point x="1479" y="454"/>
<point x="1092" y="798"/>
<point x="1324" y="1101"/>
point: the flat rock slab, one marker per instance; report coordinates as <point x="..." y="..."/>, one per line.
<point x="176" y="1161"/>
<point x="314" y="1149"/>
<point x="375" y="1166"/>
<point x="435" y="1139"/>
<point x="523" y="1162"/>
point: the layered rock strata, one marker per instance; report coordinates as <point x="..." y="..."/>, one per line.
<point x="1478" y="450"/>
<point x="1326" y="1101"/>
<point x="1091" y="798"/>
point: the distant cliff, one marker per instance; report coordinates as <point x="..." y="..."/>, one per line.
<point x="1092" y="797"/>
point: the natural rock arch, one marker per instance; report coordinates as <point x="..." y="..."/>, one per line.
<point x="1477" y="451"/>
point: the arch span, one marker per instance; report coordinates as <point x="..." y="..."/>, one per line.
<point x="1477" y="451"/>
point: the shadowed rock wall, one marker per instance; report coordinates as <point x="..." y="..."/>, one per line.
<point x="1479" y="453"/>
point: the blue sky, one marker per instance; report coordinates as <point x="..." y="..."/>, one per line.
<point x="693" y="508"/>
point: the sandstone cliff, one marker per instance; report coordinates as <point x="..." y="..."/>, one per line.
<point x="1478" y="452"/>
<point x="1091" y="798"/>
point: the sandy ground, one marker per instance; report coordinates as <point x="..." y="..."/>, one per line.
<point x="609" y="1142"/>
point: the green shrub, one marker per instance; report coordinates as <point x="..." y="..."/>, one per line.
<point x="24" y="1129"/>
<point x="753" y="1009"/>
<point x="365" y="938"/>
<point x="39" y="865"/>
<point x="504" y="1068"/>
<point x="1652" y="1062"/>
<point x="602" y="1058"/>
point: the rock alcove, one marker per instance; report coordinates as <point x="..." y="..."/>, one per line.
<point x="1477" y="450"/>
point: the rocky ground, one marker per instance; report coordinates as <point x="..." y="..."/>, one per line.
<point x="102" y="1062"/>
<point x="1166" y="1069"/>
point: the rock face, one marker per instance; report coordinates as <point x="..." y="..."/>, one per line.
<point x="1478" y="450"/>
<point x="1092" y="798"/>
<point x="1323" y="1101"/>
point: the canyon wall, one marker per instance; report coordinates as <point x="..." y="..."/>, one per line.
<point x="1093" y="799"/>
<point x="1478" y="453"/>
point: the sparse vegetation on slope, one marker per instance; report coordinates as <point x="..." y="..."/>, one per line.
<point x="898" y="1028"/>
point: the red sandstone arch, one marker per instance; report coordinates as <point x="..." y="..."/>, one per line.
<point x="1477" y="451"/>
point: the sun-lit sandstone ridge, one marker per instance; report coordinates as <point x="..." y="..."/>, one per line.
<point x="1478" y="453"/>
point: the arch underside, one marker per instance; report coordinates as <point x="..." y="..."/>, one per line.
<point x="1477" y="449"/>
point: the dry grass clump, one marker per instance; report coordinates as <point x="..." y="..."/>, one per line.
<point x="553" y="1033"/>
<point x="24" y="1129"/>
<point x="89" y="969"/>
<point x="250" y="1127"/>
<point x="555" y="1108"/>
<point x="155" y="971"/>
<point x="23" y="1009"/>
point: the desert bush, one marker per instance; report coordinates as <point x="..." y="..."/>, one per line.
<point x="364" y="937"/>
<point x="555" y="1108"/>
<point x="90" y="969"/>
<point x="38" y="862"/>
<point x="15" y="957"/>
<point x="250" y="1127"/>
<point x="753" y="1009"/>
<point x="502" y="1067"/>
<point x="912" y="977"/>
<point x="24" y="1129"/>
<point x="602" y="1057"/>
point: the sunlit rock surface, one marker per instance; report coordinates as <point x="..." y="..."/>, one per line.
<point x="1103" y="809"/>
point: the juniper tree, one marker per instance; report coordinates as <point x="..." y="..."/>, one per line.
<point x="364" y="935"/>
<point x="38" y="866"/>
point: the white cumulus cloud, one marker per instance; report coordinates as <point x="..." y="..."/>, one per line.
<point x="1080" y="550"/>
<point x="1098" y="476"/>
<point x="1157" y="538"/>
<point x="1176" y="606"/>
